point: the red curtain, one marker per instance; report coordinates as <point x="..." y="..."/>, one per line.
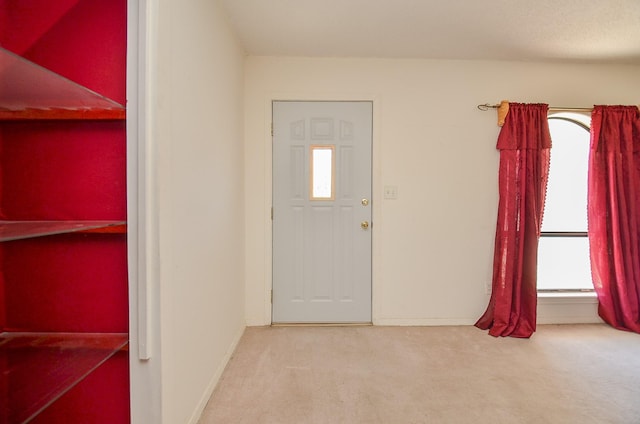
<point x="524" y="144"/>
<point x="614" y="214"/>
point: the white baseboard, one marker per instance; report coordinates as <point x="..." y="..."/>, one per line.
<point x="197" y="413"/>
<point x="552" y="309"/>
<point x="424" y="322"/>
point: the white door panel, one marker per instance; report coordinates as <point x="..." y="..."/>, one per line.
<point x="321" y="252"/>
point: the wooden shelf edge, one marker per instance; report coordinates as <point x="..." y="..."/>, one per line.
<point x="14" y="338"/>
<point x="18" y="230"/>
<point x="114" y="229"/>
<point x="63" y="114"/>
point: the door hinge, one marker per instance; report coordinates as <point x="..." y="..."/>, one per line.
<point x="272" y="129"/>
<point x="272" y="297"/>
<point x="272" y="213"/>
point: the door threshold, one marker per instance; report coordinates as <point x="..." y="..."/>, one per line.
<point x="322" y="324"/>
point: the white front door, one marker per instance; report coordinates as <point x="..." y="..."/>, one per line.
<point x="322" y="212"/>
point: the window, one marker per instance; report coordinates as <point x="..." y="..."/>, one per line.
<point x="563" y="252"/>
<point x="322" y="172"/>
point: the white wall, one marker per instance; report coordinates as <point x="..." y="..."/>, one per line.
<point x="198" y="135"/>
<point x="433" y="246"/>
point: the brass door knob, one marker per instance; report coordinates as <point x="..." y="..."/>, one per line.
<point x="364" y="225"/>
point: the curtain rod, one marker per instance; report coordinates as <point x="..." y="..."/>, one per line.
<point x="503" y="109"/>
<point x="487" y="106"/>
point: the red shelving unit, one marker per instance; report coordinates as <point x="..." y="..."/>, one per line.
<point x="63" y="245"/>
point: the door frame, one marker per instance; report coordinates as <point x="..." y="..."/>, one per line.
<point x="142" y="213"/>
<point x="376" y="193"/>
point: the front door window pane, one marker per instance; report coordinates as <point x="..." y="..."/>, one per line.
<point x="322" y="172"/>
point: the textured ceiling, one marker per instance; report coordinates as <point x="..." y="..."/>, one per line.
<point x="541" y="30"/>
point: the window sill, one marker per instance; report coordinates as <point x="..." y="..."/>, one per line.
<point x="567" y="298"/>
<point x="567" y="294"/>
<point x="568" y="308"/>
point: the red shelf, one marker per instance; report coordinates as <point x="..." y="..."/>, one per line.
<point x="17" y="230"/>
<point x="29" y="91"/>
<point x="61" y="114"/>
<point x="38" y="368"/>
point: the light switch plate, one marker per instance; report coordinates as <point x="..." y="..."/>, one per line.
<point x="391" y="192"/>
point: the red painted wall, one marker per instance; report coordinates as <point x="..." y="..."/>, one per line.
<point x="82" y="40"/>
<point x="66" y="283"/>
<point x="63" y="170"/>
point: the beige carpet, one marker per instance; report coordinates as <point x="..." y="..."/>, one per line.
<point x="563" y="374"/>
